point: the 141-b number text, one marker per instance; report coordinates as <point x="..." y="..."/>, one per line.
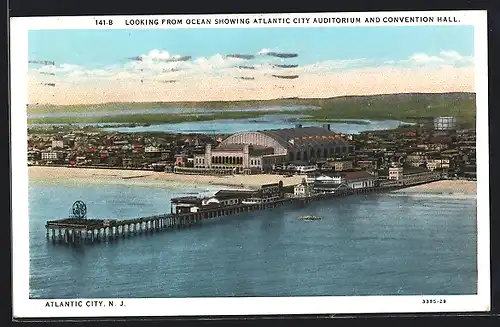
<point x="104" y="22"/>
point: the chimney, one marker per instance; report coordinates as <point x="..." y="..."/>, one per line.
<point x="298" y="125"/>
<point x="326" y="126"/>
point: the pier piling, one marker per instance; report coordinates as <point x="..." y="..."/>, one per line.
<point x="90" y="231"/>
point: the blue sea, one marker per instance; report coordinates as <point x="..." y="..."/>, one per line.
<point x="384" y="244"/>
<point x="230" y="126"/>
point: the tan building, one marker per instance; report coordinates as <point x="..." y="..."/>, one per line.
<point x="254" y="152"/>
<point x="327" y="182"/>
<point x="396" y="173"/>
<point x="303" y="189"/>
<point x="342" y="165"/>
<point x="57" y="144"/>
<point x="238" y="158"/>
<point x="433" y="164"/>
<point x="52" y="156"/>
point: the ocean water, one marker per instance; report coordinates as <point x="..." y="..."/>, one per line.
<point x="230" y="126"/>
<point x="384" y="244"/>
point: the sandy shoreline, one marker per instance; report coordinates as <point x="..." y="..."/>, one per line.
<point x="169" y="180"/>
<point x="137" y="177"/>
<point x="444" y="186"/>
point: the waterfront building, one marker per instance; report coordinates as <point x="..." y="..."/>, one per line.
<point x="331" y="181"/>
<point x="265" y="194"/>
<point x="438" y="163"/>
<point x="187" y="204"/>
<point x="230" y="197"/>
<point x="409" y="175"/>
<point x="359" y="179"/>
<point x="270" y="192"/>
<point x="304" y="189"/>
<point x="256" y="152"/>
<point x="396" y="173"/>
<point x="419" y="175"/>
<point x="52" y="155"/>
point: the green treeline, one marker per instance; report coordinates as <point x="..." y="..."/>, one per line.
<point x="409" y="107"/>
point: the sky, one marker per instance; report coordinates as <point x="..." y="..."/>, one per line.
<point x="90" y="61"/>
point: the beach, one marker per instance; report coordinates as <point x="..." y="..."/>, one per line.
<point x="171" y="180"/>
<point x="151" y="178"/>
<point x="443" y="186"/>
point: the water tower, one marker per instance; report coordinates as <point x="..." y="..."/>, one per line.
<point x="445" y="124"/>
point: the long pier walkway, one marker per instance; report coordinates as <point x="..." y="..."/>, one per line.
<point x="73" y="230"/>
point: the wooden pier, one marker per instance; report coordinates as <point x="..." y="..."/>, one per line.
<point x="79" y="230"/>
<point x="88" y="231"/>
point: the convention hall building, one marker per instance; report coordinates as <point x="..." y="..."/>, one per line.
<point x="256" y="152"/>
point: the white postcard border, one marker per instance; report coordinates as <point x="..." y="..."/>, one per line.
<point x="23" y="307"/>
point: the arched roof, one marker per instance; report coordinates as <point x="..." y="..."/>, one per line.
<point x="283" y="140"/>
<point x="305" y="136"/>
<point x="255" y="138"/>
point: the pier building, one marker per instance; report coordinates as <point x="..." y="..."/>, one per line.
<point x="192" y="210"/>
<point x="407" y="176"/>
<point x="267" y="193"/>
<point x="256" y="152"/>
<point x="304" y="189"/>
<point x="330" y="181"/>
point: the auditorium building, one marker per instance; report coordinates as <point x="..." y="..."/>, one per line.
<point x="256" y="152"/>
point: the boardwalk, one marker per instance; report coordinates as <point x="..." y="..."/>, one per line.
<point x="75" y="231"/>
<point x="72" y="230"/>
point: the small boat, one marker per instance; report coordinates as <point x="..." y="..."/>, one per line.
<point x="308" y="218"/>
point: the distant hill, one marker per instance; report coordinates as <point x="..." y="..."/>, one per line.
<point x="396" y="97"/>
<point x="400" y="106"/>
<point x="404" y="106"/>
<point x="403" y="97"/>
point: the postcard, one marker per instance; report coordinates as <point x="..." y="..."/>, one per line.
<point x="250" y="164"/>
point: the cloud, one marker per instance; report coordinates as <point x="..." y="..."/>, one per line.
<point x="445" y="58"/>
<point x="215" y="62"/>
<point x="154" y="65"/>
<point x="266" y="51"/>
<point x="456" y="57"/>
<point x="335" y="65"/>
<point x="155" y="54"/>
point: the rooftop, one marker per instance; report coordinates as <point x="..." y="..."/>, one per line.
<point x="356" y="175"/>
<point x="186" y="200"/>
<point x="228" y="194"/>
<point x="349" y="175"/>
<point x="413" y="170"/>
<point x="296" y="137"/>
